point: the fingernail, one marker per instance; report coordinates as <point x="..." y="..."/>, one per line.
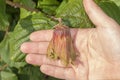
<point x="29" y="59"/>
<point x="23" y="47"/>
<point x="46" y="69"/>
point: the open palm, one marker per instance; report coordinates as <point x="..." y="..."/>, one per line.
<point x="98" y="49"/>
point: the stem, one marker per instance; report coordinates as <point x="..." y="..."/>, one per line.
<point x="17" y="5"/>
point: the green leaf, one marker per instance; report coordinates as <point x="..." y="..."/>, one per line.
<point x="10" y="46"/>
<point x="72" y="12"/>
<point x="111" y="9"/>
<point x="5" y="53"/>
<point x="28" y="3"/>
<point x="4" y="50"/>
<point x="8" y="76"/>
<point x="117" y="2"/>
<point x="74" y="15"/>
<point x="48" y="6"/>
<point x="23" y="12"/>
<point x="3" y="17"/>
<point x="30" y="72"/>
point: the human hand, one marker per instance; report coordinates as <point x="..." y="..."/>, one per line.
<point x="98" y="47"/>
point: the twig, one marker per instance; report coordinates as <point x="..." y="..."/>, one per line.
<point x="17" y="5"/>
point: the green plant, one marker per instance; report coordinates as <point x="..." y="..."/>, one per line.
<point x="18" y="19"/>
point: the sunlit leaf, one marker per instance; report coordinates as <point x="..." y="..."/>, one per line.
<point x="117" y="2"/>
<point x="8" y="76"/>
<point x="23" y="12"/>
<point x="72" y="12"/>
<point x="3" y="17"/>
<point x="10" y="46"/>
<point x="48" y="6"/>
<point x="111" y="9"/>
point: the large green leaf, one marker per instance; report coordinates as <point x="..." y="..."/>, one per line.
<point x="31" y="23"/>
<point x="5" y="53"/>
<point x="10" y="46"/>
<point x="111" y="9"/>
<point x="3" y="17"/>
<point x="30" y="72"/>
<point x="23" y="12"/>
<point x="8" y="76"/>
<point x="73" y="13"/>
<point x="117" y="2"/>
<point x="28" y="3"/>
<point x="48" y="6"/>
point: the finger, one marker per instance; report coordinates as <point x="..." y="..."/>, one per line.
<point x="43" y="35"/>
<point x="40" y="47"/>
<point x="46" y="35"/>
<point x="58" y="72"/>
<point x="34" y="47"/>
<point x="36" y="59"/>
<point x="97" y="16"/>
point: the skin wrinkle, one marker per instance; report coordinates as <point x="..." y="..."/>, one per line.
<point x="92" y="49"/>
<point x="88" y="49"/>
<point x="95" y="67"/>
<point x="89" y="45"/>
<point x="92" y="38"/>
<point x="115" y="38"/>
<point x="66" y="74"/>
<point x="74" y="41"/>
<point x="84" y="43"/>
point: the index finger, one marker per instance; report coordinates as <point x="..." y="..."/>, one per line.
<point x="46" y="35"/>
<point x="42" y="35"/>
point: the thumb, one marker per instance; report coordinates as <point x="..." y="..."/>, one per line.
<point x="97" y="16"/>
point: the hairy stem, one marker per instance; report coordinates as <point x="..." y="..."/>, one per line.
<point x="17" y="5"/>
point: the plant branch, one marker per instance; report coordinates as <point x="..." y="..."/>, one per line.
<point x="17" y="5"/>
